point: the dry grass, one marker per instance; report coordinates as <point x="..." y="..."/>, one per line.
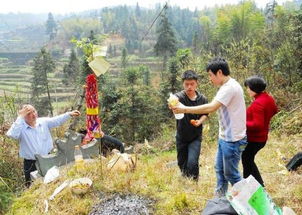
<point x="171" y="193"/>
<point x="284" y="187"/>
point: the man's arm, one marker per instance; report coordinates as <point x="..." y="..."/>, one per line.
<point x="59" y="120"/>
<point x="17" y="127"/>
<point x="200" y="109"/>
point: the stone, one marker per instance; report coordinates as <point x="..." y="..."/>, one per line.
<point x="65" y="152"/>
<point x="122" y="162"/>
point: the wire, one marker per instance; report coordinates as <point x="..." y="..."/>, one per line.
<point x="165" y="7"/>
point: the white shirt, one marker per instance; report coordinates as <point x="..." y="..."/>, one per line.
<point x="232" y="113"/>
<point x="35" y="140"/>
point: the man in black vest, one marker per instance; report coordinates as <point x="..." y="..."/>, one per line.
<point x="189" y="128"/>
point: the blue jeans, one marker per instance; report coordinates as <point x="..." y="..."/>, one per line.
<point x="227" y="161"/>
<point x="188" y="157"/>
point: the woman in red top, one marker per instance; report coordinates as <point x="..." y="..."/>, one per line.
<point x="259" y="114"/>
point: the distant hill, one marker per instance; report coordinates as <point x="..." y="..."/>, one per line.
<point x="23" y="32"/>
<point x="13" y="21"/>
<point x="30" y="38"/>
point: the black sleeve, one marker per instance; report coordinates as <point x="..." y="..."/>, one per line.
<point x="181" y="96"/>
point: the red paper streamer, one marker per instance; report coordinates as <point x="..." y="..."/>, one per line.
<point x="93" y="122"/>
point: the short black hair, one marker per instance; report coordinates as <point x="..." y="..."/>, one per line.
<point x="255" y="83"/>
<point x="189" y="75"/>
<point x="218" y="63"/>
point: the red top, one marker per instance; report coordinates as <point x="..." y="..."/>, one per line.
<point x="259" y="114"/>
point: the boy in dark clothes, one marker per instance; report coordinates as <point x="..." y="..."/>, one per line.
<point x="189" y="128"/>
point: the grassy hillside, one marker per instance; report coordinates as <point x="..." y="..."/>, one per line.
<point x="15" y="80"/>
<point x="172" y="194"/>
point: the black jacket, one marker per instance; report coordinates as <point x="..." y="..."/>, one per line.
<point x="186" y="132"/>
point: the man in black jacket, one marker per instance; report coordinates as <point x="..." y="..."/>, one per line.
<point x="189" y="128"/>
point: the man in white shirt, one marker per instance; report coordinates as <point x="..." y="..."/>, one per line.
<point x="34" y="135"/>
<point x="229" y="101"/>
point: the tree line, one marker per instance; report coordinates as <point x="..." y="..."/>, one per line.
<point x="255" y="41"/>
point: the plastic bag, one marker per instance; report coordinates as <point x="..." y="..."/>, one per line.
<point x="52" y="174"/>
<point x="248" y="197"/>
<point x="173" y="101"/>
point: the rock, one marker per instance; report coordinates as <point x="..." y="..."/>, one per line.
<point x="122" y="162"/>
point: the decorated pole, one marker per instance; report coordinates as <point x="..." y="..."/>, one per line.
<point x="95" y="56"/>
<point x="93" y="122"/>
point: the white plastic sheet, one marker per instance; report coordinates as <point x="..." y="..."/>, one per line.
<point x="248" y="197"/>
<point x="51" y="175"/>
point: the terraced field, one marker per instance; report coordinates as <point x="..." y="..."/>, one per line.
<point x="15" y="80"/>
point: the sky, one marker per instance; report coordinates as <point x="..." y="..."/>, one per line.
<point x="69" y="6"/>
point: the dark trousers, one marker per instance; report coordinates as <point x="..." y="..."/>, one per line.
<point x="248" y="161"/>
<point x="188" y="157"/>
<point x="28" y="167"/>
<point x="112" y="143"/>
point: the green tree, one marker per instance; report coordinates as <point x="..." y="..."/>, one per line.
<point x="297" y="34"/>
<point x="87" y="47"/>
<point x="173" y="73"/>
<point x="144" y="70"/>
<point x="124" y="58"/>
<point x="166" y="44"/>
<point x="195" y="42"/>
<point x="184" y="56"/>
<point x="170" y="85"/>
<point x="91" y="37"/>
<point x="114" y="51"/>
<point x="51" y="26"/>
<point x="78" y="28"/>
<point x="206" y="32"/>
<point x="136" y="107"/>
<point x="137" y="11"/>
<point x="40" y="93"/>
<point x="285" y="61"/>
<point x="72" y="69"/>
<point x="110" y="50"/>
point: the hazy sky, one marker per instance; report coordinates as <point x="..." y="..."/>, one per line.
<point x="68" y="6"/>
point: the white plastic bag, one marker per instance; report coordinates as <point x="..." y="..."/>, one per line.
<point x="51" y="174"/>
<point x="248" y="197"/>
<point x="59" y="189"/>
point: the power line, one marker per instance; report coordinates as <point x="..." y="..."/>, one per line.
<point x="165" y="7"/>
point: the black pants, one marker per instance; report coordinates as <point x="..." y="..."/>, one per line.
<point x="188" y="157"/>
<point x="112" y="143"/>
<point x="28" y="167"/>
<point x="248" y="161"/>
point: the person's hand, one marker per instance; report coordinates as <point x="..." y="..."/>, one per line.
<point x="26" y="109"/>
<point x="172" y="101"/>
<point x="179" y="108"/>
<point x="102" y="134"/>
<point x="196" y="123"/>
<point x="75" y="113"/>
